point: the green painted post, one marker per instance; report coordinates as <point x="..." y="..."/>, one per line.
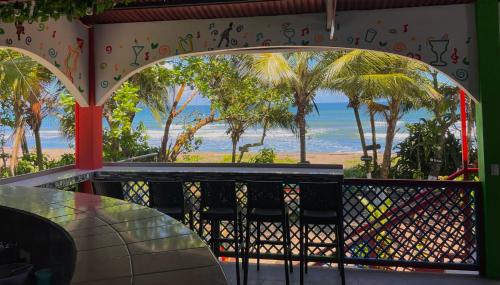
<point x="488" y="129"/>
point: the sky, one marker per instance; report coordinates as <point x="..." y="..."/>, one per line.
<point x="321" y="97"/>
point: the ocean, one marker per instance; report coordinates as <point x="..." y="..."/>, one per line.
<point x="333" y="129"/>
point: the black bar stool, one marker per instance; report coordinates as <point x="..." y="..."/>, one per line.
<point x="321" y="204"/>
<point x="266" y="204"/>
<point x="113" y="189"/>
<point x="218" y="203"/>
<point x="168" y="198"/>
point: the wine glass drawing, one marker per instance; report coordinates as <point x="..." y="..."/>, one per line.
<point x="439" y="47"/>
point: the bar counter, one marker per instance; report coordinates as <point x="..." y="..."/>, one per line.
<point x="115" y="242"/>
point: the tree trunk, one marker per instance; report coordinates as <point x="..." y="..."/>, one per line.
<point x="233" y="154"/>
<point x="361" y="135"/>
<point x="389" y="139"/>
<point x="245" y="148"/>
<point x="38" y="143"/>
<point x="188" y="134"/>
<point x="438" y="157"/>
<point x="301" y="123"/>
<point x="24" y="144"/>
<point x="162" y="155"/>
<point x="374" y="141"/>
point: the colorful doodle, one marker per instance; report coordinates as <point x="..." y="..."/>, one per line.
<point x="146" y="56"/>
<point x="461" y="74"/>
<point x="28" y="40"/>
<point x="8" y="41"/>
<point x="19" y="30"/>
<point x="117" y="77"/>
<point x="80" y="42"/>
<point x="109" y="49"/>
<point x="71" y="62"/>
<point x="54" y="34"/>
<point x="103" y="65"/>
<point x="104" y="84"/>
<point x="52" y="53"/>
<point x="288" y="32"/>
<point x="454" y="56"/>
<point x="259" y="37"/>
<point x="399" y="47"/>
<point x="185" y="44"/>
<point x="224" y="36"/>
<point x="405" y="28"/>
<point x="154" y="45"/>
<point x="382" y="44"/>
<point x="239" y="28"/>
<point x="137" y="49"/>
<point x="438" y="48"/>
<point x="318" y="38"/>
<point x="266" y="42"/>
<point x="370" y="35"/>
<point x="305" y="31"/>
<point x="41" y="27"/>
<point x="465" y="61"/>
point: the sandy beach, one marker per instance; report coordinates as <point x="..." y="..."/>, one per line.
<point x="347" y="159"/>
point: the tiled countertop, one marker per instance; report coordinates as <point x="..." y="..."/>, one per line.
<point x="119" y="242"/>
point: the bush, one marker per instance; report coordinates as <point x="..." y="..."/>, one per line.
<point x="265" y="155"/>
<point x="27" y="163"/>
<point x="416" y="152"/>
<point x="357" y="171"/>
<point x="127" y="144"/>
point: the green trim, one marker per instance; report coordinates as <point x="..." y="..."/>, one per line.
<point x="488" y="119"/>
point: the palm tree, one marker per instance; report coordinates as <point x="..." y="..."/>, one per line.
<point x="24" y="79"/>
<point x="302" y="74"/>
<point x="400" y="83"/>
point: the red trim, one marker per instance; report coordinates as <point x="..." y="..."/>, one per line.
<point x="88" y="123"/>
<point x="465" y="147"/>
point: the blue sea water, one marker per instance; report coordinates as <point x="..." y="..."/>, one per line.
<point x="333" y="129"/>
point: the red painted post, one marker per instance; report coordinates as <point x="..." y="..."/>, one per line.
<point x="465" y="146"/>
<point x="88" y="125"/>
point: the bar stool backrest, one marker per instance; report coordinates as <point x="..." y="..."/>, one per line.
<point x="113" y="189"/>
<point x="265" y="195"/>
<point x="320" y="196"/>
<point x="166" y="194"/>
<point x="219" y="194"/>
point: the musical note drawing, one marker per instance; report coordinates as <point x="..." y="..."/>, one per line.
<point x="454" y="56"/>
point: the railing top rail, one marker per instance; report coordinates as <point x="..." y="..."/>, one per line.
<point x="235" y="165"/>
<point x="410" y="182"/>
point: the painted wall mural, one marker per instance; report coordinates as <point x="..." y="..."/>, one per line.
<point x="442" y="36"/>
<point x="60" y="46"/>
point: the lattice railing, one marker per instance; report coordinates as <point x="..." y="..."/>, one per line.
<point x="412" y="223"/>
<point x="387" y="223"/>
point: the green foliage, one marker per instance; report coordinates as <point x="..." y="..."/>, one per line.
<point x="127" y="144"/>
<point x="43" y="10"/>
<point x="28" y="163"/>
<point x="416" y="152"/>
<point x="265" y="155"/>
<point x="357" y="171"/>
<point x="66" y="116"/>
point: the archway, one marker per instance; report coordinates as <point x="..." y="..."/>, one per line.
<point x="31" y="140"/>
<point x="123" y="48"/>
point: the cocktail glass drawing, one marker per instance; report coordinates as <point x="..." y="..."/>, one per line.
<point x="137" y="51"/>
<point x="439" y="47"/>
